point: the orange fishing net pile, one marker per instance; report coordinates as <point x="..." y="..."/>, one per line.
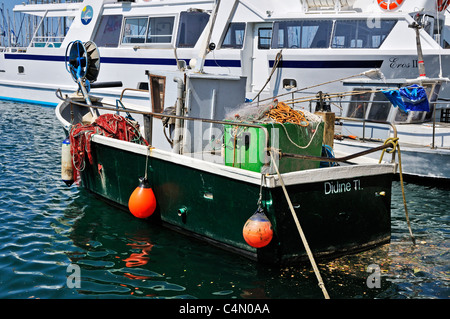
<point x="282" y="113"/>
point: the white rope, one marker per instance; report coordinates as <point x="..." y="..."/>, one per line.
<point x="440" y="40"/>
<point x="300" y="231"/>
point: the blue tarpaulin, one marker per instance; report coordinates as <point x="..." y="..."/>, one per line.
<point x="411" y="98"/>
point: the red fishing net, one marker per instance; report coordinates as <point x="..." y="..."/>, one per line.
<point x="109" y="125"/>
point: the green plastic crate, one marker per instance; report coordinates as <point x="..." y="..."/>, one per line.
<point x="244" y="146"/>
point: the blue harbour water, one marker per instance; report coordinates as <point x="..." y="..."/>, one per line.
<point x="49" y="231"/>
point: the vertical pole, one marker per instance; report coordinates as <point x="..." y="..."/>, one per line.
<point x="328" y="133"/>
<point x="420" y="61"/>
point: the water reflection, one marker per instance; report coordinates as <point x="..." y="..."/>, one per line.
<point x="152" y="261"/>
<point x="139" y="259"/>
<point x="46" y="226"/>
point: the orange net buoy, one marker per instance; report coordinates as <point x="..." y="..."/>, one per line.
<point x="257" y="230"/>
<point x="282" y="113"/>
<point x="142" y="202"/>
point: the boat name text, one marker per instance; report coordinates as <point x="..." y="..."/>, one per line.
<point x="341" y="187"/>
<point x="396" y="63"/>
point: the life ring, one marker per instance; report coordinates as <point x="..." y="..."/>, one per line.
<point x="390" y="5"/>
<point x="442" y="5"/>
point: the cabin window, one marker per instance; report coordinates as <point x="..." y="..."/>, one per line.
<point x="135" y="30"/>
<point x="264" y="38"/>
<point x="190" y="28"/>
<point x="108" y="32"/>
<point x="160" y="30"/>
<point x="153" y="30"/>
<point x="361" y="33"/>
<point x="379" y="111"/>
<point x="307" y="34"/>
<point x="359" y="104"/>
<point x="234" y="37"/>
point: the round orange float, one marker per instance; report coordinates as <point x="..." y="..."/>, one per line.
<point x="142" y="202"/>
<point x="257" y="230"/>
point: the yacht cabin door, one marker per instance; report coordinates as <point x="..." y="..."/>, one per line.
<point x="262" y="39"/>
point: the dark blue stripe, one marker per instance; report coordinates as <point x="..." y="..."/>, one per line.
<point x="224" y="63"/>
<point x="148" y="61"/>
<point x="118" y="60"/>
<point x="34" y="57"/>
<point x="158" y="61"/>
<point x="212" y="63"/>
<point x="338" y="64"/>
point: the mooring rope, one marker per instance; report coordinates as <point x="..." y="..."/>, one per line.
<point x="278" y="58"/>
<point x="300" y="231"/>
<point x="396" y="146"/>
<point x="147" y="155"/>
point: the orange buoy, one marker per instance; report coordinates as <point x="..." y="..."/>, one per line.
<point x="390" y="5"/>
<point x="258" y="230"/>
<point x="142" y="202"/>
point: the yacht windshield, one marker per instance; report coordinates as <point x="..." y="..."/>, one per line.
<point x="190" y="28"/>
<point x="108" y="32"/>
<point x="234" y="37"/>
<point x="149" y="30"/>
<point x="302" y="34"/>
<point x="312" y="34"/>
<point x="361" y="33"/>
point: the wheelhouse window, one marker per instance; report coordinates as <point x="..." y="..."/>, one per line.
<point x="108" y="32"/>
<point x="380" y="108"/>
<point x="160" y="30"/>
<point x="361" y="33"/>
<point x="190" y="28"/>
<point x="152" y="30"/>
<point x="234" y="37"/>
<point x="264" y="38"/>
<point x="359" y="104"/>
<point x="306" y="34"/>
<point x="134" y="30"/>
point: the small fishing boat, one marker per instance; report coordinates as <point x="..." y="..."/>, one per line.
<point x="242" y="176"/>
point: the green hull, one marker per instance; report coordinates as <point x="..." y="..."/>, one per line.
<point x="338" y="216"/>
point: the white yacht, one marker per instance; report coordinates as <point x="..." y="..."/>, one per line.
<point x="289" y="49"/>
<point x="279" y="46"/>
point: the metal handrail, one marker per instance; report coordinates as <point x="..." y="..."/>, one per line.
<point x="130" y="89"/>
<point x="394" y="128"/>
